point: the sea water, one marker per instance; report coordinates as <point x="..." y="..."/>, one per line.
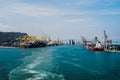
<point x="64" y="62"/>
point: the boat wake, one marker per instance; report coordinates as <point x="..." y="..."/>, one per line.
<point x="38" y="66"/>
<point x="27" y="74"/>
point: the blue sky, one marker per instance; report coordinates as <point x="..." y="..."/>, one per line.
<point x="66" y="19"/>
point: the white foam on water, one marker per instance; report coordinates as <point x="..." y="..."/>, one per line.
<point x="34" y="64"/>
<point x="47" y="76"/>
<point x="31" y="69"/>
<point x="36" y="59"/>
<point x="21" y="74"/>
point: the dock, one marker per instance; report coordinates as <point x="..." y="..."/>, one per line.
<point x="97" y="45"/>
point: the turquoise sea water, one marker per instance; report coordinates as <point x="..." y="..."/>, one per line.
<point x="58" y="63"/>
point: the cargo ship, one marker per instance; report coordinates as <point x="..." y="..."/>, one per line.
<point x="97" y="45"/>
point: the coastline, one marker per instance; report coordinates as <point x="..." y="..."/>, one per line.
<point x="7" y="47"/>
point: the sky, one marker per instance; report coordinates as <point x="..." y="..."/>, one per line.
<point x="66" y="19"/>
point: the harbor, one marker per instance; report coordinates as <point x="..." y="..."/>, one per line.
<point x="97" y="45"/>
<point x="23" y="40"/>
<point x="26" y="57"/>
<point x="59" y="39"/>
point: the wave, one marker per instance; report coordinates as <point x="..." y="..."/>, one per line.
<point x="27" y="74"/>
<point x="37" y="66"/>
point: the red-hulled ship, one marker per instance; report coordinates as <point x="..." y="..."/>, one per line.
<point x="94" y="45"/>
<point x="96" y="49"/>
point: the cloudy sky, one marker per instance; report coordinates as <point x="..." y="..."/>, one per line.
<point x="67" y="19"/>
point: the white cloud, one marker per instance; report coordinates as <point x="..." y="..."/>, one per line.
<point x="33" y="10"/>
<point x="109" y="12"/>
<point x="77" y="20"/>
<point x="82" y="2"/>
<point x="40" y="11"/>
<point x="4" y="27"/>
<point x="53" y="20"/>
